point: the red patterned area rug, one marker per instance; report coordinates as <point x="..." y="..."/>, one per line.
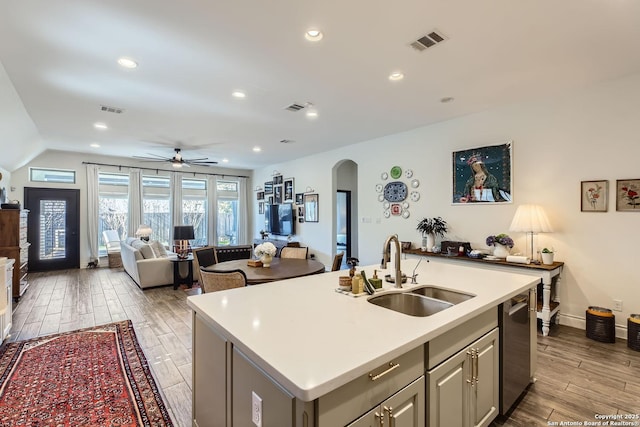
<point x="91" y="377"/>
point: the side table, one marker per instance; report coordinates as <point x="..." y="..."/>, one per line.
<point x="178" y="279"/>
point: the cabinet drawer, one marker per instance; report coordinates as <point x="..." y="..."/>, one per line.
<point x="353" y="399"/>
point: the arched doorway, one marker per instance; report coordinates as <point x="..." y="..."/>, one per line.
<point x="345" y="213"/>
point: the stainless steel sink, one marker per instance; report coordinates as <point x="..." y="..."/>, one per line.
<point x="454" y="297"/>
<point x="410" y="304"/>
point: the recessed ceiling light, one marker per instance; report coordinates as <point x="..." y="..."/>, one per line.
<point x="313" y="35"/>
<point x="225" y="160"/>
<point x="395" y="76"/>
<point x="447" y="99"/>
<point x="257" y="149"/>
<point x="127" y="62"/>
<point x="94" y="145"/>
<point x="312" y="114"/>
<point x="100" y="126"/>
<point x="239" y="94"/>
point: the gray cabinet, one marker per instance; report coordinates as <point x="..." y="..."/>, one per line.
<point x="210" y="360"/>
<point x="463" y="390"/>
<point x="403" y="409"/>
<point x="6" y="273"/>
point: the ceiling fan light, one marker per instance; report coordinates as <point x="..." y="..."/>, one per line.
<point x="176" y="165"/>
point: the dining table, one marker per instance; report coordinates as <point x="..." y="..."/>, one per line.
<point x="280" y="269"/>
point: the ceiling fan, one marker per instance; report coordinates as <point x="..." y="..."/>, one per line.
<point x="177" y="161"/>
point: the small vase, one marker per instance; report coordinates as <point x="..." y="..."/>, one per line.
<point x="266" y="260"/>
<point x="500" y="251"/>
<point x="547" y="258"/>
<point x="431" y="241"/>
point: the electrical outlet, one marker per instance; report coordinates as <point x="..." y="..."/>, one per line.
<point x="617" y="305"/>
<point x="256" y="409"/>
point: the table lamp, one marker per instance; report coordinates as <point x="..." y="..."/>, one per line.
<point x="531" y="219"/>
<point x="181" y="236"/>
<point x="143" y="232"/>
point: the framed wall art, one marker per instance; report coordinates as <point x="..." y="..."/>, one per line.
<point x="277" y="194"/>
<point x="268" y="187"/>
<point x="277" y="179"/>
<point x="299" y="198"/>
<point x="594" y="196"/>
<point x="483" y="175"/>
<point x="628" y="195"/>
<point x="288" y="190"/>
<point x="260" y="208"/>
<point x="260" y="195"/>
<point x="311" y="208"/>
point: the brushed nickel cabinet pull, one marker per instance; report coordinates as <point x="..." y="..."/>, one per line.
<point x="380" y="418"/>
<point x="475" y="365"/>
<point x="391" y="367"/>
<point x="392" y="421"/>
<point x="470" y="360"/>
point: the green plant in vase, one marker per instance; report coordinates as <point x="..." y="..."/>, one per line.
<point x="430" y="228"/>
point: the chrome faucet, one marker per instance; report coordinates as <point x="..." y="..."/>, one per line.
<point x="386" y="257"/>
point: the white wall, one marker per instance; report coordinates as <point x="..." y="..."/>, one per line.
<point x="73" y="161"/>
<point x="590" y="135"/>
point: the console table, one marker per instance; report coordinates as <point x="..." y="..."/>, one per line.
<point x="548" y="274"/>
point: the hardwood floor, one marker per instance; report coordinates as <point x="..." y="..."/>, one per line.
<point x="72" y="299"/>
<point x="576" y="378"/>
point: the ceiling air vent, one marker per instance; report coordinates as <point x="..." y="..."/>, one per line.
<point x="114" y="110"/>
<point x="287" y="141"/>
<point x="427" y="41"/>
<point x="294" y="107"/>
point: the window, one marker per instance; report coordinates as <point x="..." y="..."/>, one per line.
<point x="156" y="207"/>
<point x="52" y="175"/>
<point x="113" y="202"/>
<point x="194" y="208"/>
<point x="227" y="213"/>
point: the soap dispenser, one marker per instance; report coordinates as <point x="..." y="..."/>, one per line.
<point x="375" y="281"/>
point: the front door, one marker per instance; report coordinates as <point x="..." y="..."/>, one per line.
<point x="53" y="228"/>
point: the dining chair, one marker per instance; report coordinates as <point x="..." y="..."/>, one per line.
<point x="212" y="281"/>
<point x="202" y="257"/>
<point x="289" y="252"/>
<point x="337" y="261"/>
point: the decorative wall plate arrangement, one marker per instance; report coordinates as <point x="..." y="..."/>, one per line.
<point x="395" y="195"/>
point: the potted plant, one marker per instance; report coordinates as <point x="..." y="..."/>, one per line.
<point x="502" y="243"/>
<point x="547" y="256"/>
<point x="430" y="228"/>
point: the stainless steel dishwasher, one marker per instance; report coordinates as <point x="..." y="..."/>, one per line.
<point x="515" y="349"/>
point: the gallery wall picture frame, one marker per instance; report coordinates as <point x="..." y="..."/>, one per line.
<point x="311" y="207"/>
<point x="270" y="200"/>
<point x="288" y="190"/>
<point x="628" y="195"/>
<point x="260" y="208"/>
<point x="594" y="196"/>
<point x="277" y="179"/>
<point x="268" y="187"/>
<point x="300" y="213"/>
<point x="260" y="195"/>
<point x="483" y="175"/>
<point x="277" y="194"/>
<point x="299" y="198"/>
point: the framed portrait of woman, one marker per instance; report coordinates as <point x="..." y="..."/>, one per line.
<point x="483" y="175"/>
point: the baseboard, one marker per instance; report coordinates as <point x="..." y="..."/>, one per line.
<point x="581" y="323"/>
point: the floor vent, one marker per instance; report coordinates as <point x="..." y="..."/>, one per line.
<point x="427" y="41"/>
<point x="294" y="107"/>
<point x="114" y="110"/>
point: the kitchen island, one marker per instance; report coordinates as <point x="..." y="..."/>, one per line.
<point x="298" y="353"/>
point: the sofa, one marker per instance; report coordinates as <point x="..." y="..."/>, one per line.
<point x="147" y="263"/>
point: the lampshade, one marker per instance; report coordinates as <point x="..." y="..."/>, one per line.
<point x="530" y="219"/>
<point x="144" y="231"/>
<point x="183" y="232"/>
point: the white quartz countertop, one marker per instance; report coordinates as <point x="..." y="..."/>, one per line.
<point x="312" y="339"/>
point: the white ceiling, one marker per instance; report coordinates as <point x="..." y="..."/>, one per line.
<point x="60" y="57"/>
